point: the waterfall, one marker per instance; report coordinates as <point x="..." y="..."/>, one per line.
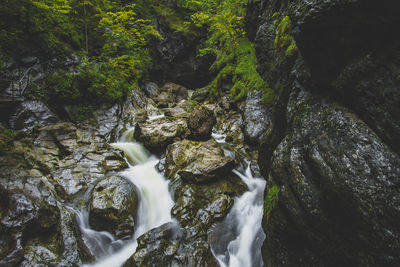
<point x="154" y="207"/>
<point x="240" y="234"/>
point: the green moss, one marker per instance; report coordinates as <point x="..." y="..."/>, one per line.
<point x="292" y="49"/>
<point x="284" y="40"/>
<point x="239" y="66"/>
<point x="6" y="140"/>
<point x="271" y="200"/>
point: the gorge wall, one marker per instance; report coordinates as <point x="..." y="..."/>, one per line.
<point x="333" y="140"/>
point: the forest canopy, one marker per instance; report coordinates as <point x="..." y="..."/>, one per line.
<point x="112" y="39"/>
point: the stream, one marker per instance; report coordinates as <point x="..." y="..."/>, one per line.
<point x="238" y="237"/>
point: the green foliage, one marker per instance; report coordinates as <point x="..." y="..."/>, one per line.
<point x="235" y="56"/>
<point x="6" y="140"/>
<point x="114" y="30"/>
<point x="271" y="200"/>
<point x="283" y="37"/>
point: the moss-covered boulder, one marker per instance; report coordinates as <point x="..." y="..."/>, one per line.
<point x="197" y="161"/>
<point x="171" y="245"/>
<point x="159" y="132"/>
<point x="113" y="207"/>
<point x="169" y="94"/>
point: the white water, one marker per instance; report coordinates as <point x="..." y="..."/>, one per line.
<point x="240" y="235"/>
<point x="154" y="208"/>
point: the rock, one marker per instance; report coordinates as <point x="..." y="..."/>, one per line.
<point x="256" y="117"/>
<point x="160" y="132"/>
<point x="151" y="89"/>
<point x="327" y="45"/>
<point x="113" y="207"/>
<point x="201" y="205"/>
<point x="230" y="124"/>
<point x="175" y="56"/>
<point x="197" y="161"/>
<point x="201" y="122"/>
<point x="200" y="119"/>
<point x="337" y="176"/>
<point x="168" y="245"/>
<point x="370" y="86"/>
<point x="170" y="93"/>
<point x="32" y="113"/>
<point x="201" y="94"/>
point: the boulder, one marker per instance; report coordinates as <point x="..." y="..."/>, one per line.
<point x="197" y="161"/>
<point x="169" y="245"/>
<point x="170" y="93"/>
<point x="159" y="132"/>
<point x="256" y="117"/>
<point x="339" y="187"/>
<point x="200" y="119"/>
<point x="201" y="205"/>
<point x="113" y="207"/>
<point x="151" y="89"/>
<point x="332" y="144"/>
<point x="201" y="122"/>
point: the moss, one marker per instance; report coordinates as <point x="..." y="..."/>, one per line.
<point x="6" y="140"/>
<point x="177" y="19"/>
<point x="239" y="66"/>
<point x="271" y="200"/>
<point x="284" y="40"/>
<point x="292" y="49"/>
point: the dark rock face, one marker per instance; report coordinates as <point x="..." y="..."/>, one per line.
<point x="256" y="116"/>
<point x="339" y="189"/>
<point x="113" y="207"/>
<point x="370" y="85"/>
<point x="338" y="31"/>
<point x="175" y="57"/>
<point x="332" y="143"/>
<point x="32" y="113"/>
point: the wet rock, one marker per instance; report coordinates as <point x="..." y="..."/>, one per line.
<point x="201" y="122"/>
<point x="197" y="161"/>
<point x="200" y="119"/>
<point x="151" y="89"/>
<point x="170" y="93"/>
<point x="371" y="87"/>
<point x="339" y="188"/>
<point x="168" y="245"/>
<point x="327" y="46"/>
<point x="64" y="135"/>
<point x="160" y="132"/>
<point x="113" y="162"/>
<point x="256" y="117"/>
<point x="201" y="205"/>
<point x="333" y="169"/>
<point x="113" y="207"/>
<point x="32" y="113"/>
<point x="200" y="95"/>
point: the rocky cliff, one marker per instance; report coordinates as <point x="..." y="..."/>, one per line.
<point x="333" y="138"/>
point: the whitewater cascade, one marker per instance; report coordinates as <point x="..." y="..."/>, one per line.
<point x="240" y="235"/>
<point x="154" y="206"/>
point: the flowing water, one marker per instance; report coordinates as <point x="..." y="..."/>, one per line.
<point x="240" y="235"/>
<point x="155" y="204"/>
<point x="238" y="238"/>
